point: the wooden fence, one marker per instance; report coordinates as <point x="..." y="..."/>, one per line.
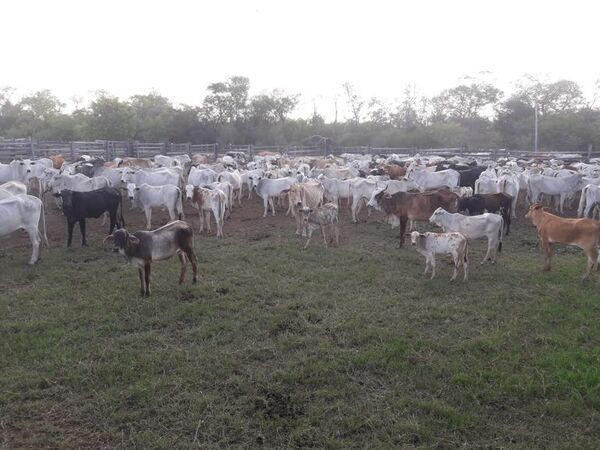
<point x="31" y="148"/>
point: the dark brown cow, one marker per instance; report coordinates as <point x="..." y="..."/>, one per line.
<point x="143" y="247"/>
<point x="494" y="203"/>
<point x="405" y="206"/>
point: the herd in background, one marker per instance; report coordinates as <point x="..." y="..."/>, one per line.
<point x="407" y="189"/>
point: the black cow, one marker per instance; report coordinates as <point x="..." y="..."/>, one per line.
<point x="493" y="203"/>
<point x="77" y="206"/>
<point x="469" y="176"/>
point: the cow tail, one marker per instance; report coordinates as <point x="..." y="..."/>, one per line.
<point x="500" y="234"/>
<point x="179" y="204"/>
<point x="582" y="202"/>
<point x="44" y="226"/>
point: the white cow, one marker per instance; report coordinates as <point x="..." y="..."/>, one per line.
<point x="153" y="177"/>
<point x="114" y="175"/>
<point x="171" y="161"/>
<point x="509" y="184"/>
<point x="207" y="200"/>
<point x="361" y="191"/>
<point x="235" y="180"/>
<point x="336" y="189"/>
<point x="201" y="177"/>
<point x="15" y="170"/>
<point x="227" y="189"/>
<point x="24" y="212"/>
<point x="14" y="188"/>
<point x="486" y="185"/>
<point x="430" y="244"/>
<point x="77" y="183"/>
<point x="147" y="197"/>
<point x="247" y="177"/>
<point x="563" y="187"/>
<point x="473" y="227"/>
<point x="268" y="189"/>
<point x="590" y="197"/>
<point x="427" y="180"/>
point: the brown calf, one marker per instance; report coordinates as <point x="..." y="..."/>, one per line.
<point x="552" y="229"/>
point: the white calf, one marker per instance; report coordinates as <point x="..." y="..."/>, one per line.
<point x="207" y="200"/>
<point x="430" y="244"/>
<point x="590" y="197"/>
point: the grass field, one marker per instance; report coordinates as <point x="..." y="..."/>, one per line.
<point x="279" y="347"/>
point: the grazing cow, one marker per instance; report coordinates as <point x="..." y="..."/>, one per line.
<point x="268" y="189"/>
<point x="428" y="181"/>
<point x="57" y="161"/>
<point x="582" y="233"/>
<point x="77" y="206"/>
<point x="590" y="197"/>
<point x="494" y="203"/>
<point x="141" y="248"/>
<point x="430" y="244"/>
<point x="23" y="212"/>
<point x="147" y="197"/>
<point x="324" y="216"/>
<point x="404" y="206"/>
<point x="485" y="225"/>
<point x="207" y="200"/>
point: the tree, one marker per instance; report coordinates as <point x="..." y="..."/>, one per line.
<point x="559" y="96"/>
<point x="406" y="115"/>
<point x="227" y="102"/>
<point x="355" y="102"/>
<point x="109" y="118"/>
<point x="154" y="114"/>
<point x="465" y="101"/>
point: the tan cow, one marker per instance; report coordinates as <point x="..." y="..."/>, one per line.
<point x="552" y="229"/>
<point x="394" y="171"/>
<point x="308" y="194"/>
<point x="57" y="161"/>
<point x="142" y="163"/>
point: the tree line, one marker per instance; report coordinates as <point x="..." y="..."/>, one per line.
<point x="475" y="114"/>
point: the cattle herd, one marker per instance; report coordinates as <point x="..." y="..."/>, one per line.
<point x="467" y="198"/>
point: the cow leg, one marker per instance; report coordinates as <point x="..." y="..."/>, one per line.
<point x="191" y="256"/>
<point x="171" y="213"/>
<point x="70" y="226"/>
<point x="592" y="255"/>
<point x="513" y="209"/>
<point x="200" y="220"/>
<point x="207" y="218"/>
<point x="272" y="203"/>
<point x="239" y="196"/>
<point x="456" y="259"/>
<point x="82" y="229"/>
<point x="35" y="239"/>
<point x="324" y="235"/>
<point x="148" y="212"/>
<point x="426" y="266"/>
<point x="142" y="287"/>
<point x="113" y="221"/>
<point x="490" y="249"/>
<point x="547" y="250"/>
<point x="183" y="260"/>
<point x="355" y="208"/>
<point x="432" y="267"/>
<point x="336" y="232"/>
<point x="147" y="278"/>
<point x="310" y="232"/>
<point x="402" y="230"/>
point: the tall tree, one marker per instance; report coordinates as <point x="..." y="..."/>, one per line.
<point x="355" y="102"/>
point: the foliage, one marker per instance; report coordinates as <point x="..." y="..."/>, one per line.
<point x="474" y="114"/>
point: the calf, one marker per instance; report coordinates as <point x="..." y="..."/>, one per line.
<point x="494" y="203"/>
<point x="583" y="233"/>
<point x="326" y="215"/>
<point x="141" y="248"/>
<point x="207" y="200"/>
<point x="430" y="244"/>
<point x="147" y="197"/>
<point x="77" y="206"/>
<point x="590" y="197"/>
<point x="485" y="225"/>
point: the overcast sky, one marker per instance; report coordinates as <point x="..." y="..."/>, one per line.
<point x="308" y="47"/>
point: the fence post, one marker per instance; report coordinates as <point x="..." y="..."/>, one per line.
<point x="251" y="151"/>
<point x="589" y="154"/>
<point x="31" y="147"/>
<point x="72" y="151"/>
<point x="188" y="149"/>
<point x="106" y="154"/>
<point x="216" y="151"/>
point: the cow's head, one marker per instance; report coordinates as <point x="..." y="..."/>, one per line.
<point x="375" y="200"/>
<point x="535" y="213"/>
<point x="67" y="198"/>
<point x="416" y="238"/>
<point x="304" y="212"/>
<point x="123" y="242"/>
<point x="132" y="190"/>
<point x="438" y="216"/>
<point x="254" y="179"/>
<point x="189" y="191"/>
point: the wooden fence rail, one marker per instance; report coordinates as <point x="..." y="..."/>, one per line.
<point x="31" y="148"/>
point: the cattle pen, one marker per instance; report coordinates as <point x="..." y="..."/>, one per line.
<point x="279" y="347"/>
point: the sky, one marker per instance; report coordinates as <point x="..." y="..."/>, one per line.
<point x="307" y="47"/>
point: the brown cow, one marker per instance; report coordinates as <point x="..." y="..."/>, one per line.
<point x="142" y="163"/>
<point x="404" y="206"/>
<point x="57" y="161"/>
<point x="552" y="229"/>
<point x="394" y="171"/>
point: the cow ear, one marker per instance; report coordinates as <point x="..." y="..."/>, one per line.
<point x="137" y="188"/>
<point x="421" y="235"/>
<point x="133" y="239"/>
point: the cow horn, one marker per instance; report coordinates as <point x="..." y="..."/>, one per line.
<point x="110" y="236"/>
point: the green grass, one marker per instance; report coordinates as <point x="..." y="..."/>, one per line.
<point x="279" y="347"/>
